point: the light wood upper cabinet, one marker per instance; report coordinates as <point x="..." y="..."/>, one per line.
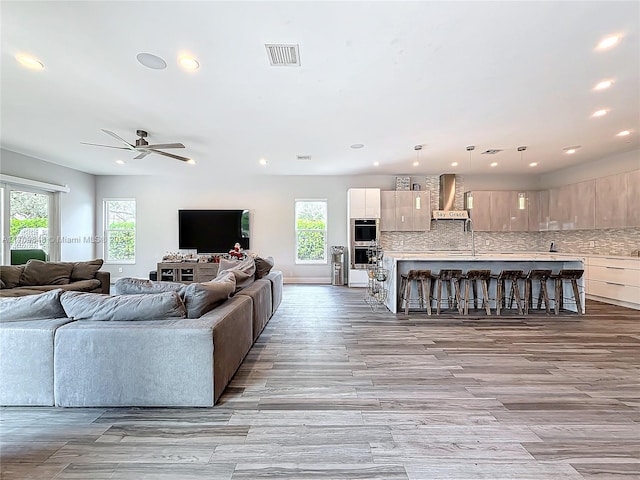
<point x="478" y="204"/>
<point x="611" y="201"/>
<point x="405" y="211"/>
<point x="364" y="202"/>
<point x="500" y="211"/>
<point x="518" y="212"/>
<point x="533" y="211"/>
<point x="582" y="205"/>
<point x="543" y="214"/>
<point x="633" y="199"/>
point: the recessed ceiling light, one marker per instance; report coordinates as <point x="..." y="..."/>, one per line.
<point x="571" y="150"/>
<point x="29" y="62"/>
<point x="608" y="42"/>
<point x="191" y="161"/>
<point x="623" y="133"/>
<point x="376" y="164"/>
<point x="188" y="62"/>
<point x="357" y="146"/>
<point x="454" y="164"/>
<point x="415" y="164"/>
<point x="600" y="113"/>
<point x="494" y="164"/>
<point x="151" y="61"/>
<point x="533" y="164"/>
<point x="603" y="85"/>
<point x="263" y="162"/>
<point x="120" y="162"/>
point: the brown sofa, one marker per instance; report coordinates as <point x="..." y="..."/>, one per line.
<point x="37" y="276"/>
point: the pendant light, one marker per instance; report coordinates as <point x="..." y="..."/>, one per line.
<point x="417" y="148"/>
<point x="522" y="197"/>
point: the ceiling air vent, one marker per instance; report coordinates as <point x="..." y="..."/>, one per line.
<point x="492" y="151"/>
<point x="283" y="55"/>
<point x="303" y="158"/>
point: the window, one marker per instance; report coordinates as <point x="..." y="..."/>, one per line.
<point x="311" y="231"/>
<point x="120" y="230"/>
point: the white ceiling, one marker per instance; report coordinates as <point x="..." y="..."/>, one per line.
<point x="389" y="75"/>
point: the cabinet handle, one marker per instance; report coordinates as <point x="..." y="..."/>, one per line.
<point x="618" y="284"/>
<point x="616" y="268"/>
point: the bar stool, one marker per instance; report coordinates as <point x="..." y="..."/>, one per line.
<point x="540" y="276"/>
<point x="572" y="276"/>
<point x="406" y="282"/>
<point x="472" y="277"/>
<point x="446" y="278"/>
<point x="501" y="278"/>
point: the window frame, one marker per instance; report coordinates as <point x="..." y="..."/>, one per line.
<point x="325" y="259"/>
<point x="106" y="231"/>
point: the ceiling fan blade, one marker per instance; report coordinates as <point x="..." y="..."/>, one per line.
<point x="108" y="146"/>
<point x="177" y="157"/>
<point x="165" y="145"/>
<point x="142" y="155"/>
<point x="131" y="147"/>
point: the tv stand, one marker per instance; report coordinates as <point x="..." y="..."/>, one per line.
<point x="187" y="272"/>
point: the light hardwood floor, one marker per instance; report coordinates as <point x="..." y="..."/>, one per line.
<point x="333" y="390"/>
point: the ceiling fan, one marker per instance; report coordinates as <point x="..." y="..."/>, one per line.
<point x="142" y="147"/>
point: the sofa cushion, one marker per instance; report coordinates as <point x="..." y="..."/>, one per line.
<point x="37" y="272"/>
<point x="10" y="275"/>
<point x="79" y="286"/>
<point x="203" y="297"/>
<point x="128" y="286"/>
<point x="98" y="306"/>
<point x="32" y="307"/>
<point x="243" y="270"/>
<point x="86" y="270"/>
<point x="263" y="266"/>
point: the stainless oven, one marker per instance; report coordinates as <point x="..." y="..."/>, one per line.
<point x="364" y="232"/>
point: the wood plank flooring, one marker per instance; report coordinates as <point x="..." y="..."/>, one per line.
<point x="334" y="390"/>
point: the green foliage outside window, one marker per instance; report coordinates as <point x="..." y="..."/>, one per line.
<point x="311" y="231"/>
<point x="122" y="241"/>
<point x="17" y="224"/>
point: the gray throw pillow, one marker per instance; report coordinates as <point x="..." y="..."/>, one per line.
<point x="263" y="266"/>
<point x="128" y="286"/>
<point x="32" y="307"/>
<point x="201" y="298"/>
<point x="10" y="275"/>
<point x="86" y="270"/>
<point x="243" y="270"/>
<point x="37" y="272"/>
<point x="98" y="306"/>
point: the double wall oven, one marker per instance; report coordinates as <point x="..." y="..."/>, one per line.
<point x="363" y="232"/>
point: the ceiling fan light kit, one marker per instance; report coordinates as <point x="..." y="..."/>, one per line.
<point x="142" y="147"/>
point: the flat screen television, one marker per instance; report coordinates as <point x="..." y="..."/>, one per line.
<point x="213" y="231"/>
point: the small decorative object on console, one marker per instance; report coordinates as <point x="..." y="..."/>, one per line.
<point x="237" y="252"/>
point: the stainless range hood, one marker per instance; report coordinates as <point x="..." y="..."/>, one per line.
<point x="447" y="200"/>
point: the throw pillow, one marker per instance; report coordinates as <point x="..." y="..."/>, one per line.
<point x="10" y="275"/>
<point x="98" y="306"/>
<point x="128" y="286"/>
<point x="263" y="266"/>
<point x="32" y="307"/>
<point x="2" y="285"/>
<point x="37" y="272"/>
<point x="203" y="297"/>
<point x="244" y="271"/>
<point x="86" y="270"/>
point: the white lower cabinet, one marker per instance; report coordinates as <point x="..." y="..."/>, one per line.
<point x="614" y="280"/>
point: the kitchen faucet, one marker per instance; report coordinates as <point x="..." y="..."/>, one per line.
<point x="468" y="226"/>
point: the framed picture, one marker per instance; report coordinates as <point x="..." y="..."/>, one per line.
<point x="403" y="183"/>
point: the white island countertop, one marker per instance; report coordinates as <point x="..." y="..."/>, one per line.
<point x="398" y="263"/>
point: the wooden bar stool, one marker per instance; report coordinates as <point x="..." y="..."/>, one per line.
<point x="471" y="278"/>
<point x="567" y="275"/>
<point x="406" y="282"/>
<point x="501" y="278"/>
<point x="540" y="276"/>
<point x="446" y="278"/>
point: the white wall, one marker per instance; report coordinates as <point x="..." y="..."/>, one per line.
<point x="77" y="208"/>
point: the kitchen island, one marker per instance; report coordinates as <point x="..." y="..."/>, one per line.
<point x="398" y="263"/>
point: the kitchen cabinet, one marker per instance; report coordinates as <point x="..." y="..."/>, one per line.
<point x="478" y="204"/>
<point x="633" y="199"/>
<point x="499" y="210"/>
<point x="533" y="211"/>
<point x="364" y="202"/>
<point x="405" y="211"/>
<point x="572" y="207"/>
<point x="611" y="201"/>
<point x="614" y="280"/>
<point x="543" y="213"/>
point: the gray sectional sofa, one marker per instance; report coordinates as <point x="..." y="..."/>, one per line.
<point x="89" y="355"/>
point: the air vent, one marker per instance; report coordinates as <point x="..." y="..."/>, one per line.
<point x="491" y="151"/>
<point x="303" y="158"/>
<point x="282" y="55"/>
